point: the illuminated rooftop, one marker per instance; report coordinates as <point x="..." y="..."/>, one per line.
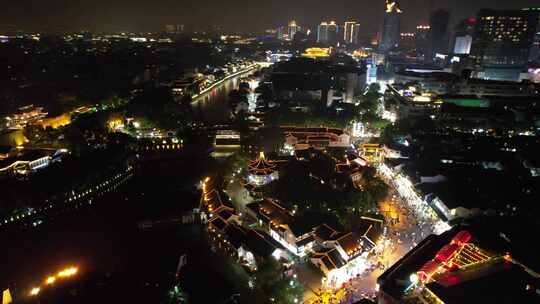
<point x="468" y="264"/>
<point x="317" y="53"/>
<point x="392" y="7"/>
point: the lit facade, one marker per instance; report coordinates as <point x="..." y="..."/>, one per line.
<point x="463" y="45"/>
<point x="372" y="152"/>
<point x="468" y="264"/>
<point x="27" y="115"/>
<point x="316" y="53"/>
<point x="350" y="32"/>
<point x="327" y="32"/>
<point x="288" y="32"/>
<point x="262" y="172"/>
<point x="503" y="40"/>
<point x="391" y="27"/>
<point x="322" y="32"/>
<point x="343" y="256"/>
<point x="292" y="29"/>
<point x="317" y="138"/>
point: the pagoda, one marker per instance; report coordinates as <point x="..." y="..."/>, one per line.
<point x="261" y="171"/>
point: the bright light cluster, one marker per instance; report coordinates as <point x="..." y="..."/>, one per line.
<point x="50" y="280"/>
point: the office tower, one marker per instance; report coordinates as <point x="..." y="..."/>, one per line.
<point x="502" y="42"/>
<point x="391" y="26"/>
<point x="288" y="32"/>
<point x="350" y="32"/>
<point x="356" y="34"/>
<point x="292" y="29"/>
<point x="407" y="41"/>
<point x="281" y="33"/>
<point x="333" y="32"/>
<point x="422" y="39"/>
<point x="322" y="32"/>
<point x="534" y="54"/>
<point x="174" y="28"/>
<point x="462" y="36"/>
<point x="438" y="34"/>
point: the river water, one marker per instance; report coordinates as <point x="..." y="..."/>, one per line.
<point x="119" y="262"/>
<point x="213" y="107"/>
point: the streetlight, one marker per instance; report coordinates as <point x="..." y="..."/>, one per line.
<point x="35" y="291"/>
<point x="50" y="280"/>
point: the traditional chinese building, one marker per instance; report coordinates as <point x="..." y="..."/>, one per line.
<point x="261" y="171"/>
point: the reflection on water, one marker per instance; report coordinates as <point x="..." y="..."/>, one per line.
<point x="213" y="107"/>
<point x="119" y="262"/>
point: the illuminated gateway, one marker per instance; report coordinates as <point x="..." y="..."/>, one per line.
<point x="261" y="171"/>
<point x="459" y="267"/>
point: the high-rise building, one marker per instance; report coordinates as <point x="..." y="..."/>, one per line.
<point x="356" y="34"/>
<point x="174" y="28"/>
<point x="281" y="33"/>
<point x="351" y="32"/>
<point x="391" y="26"/>
<point x="288" y="32"/>
<point x="438" y="34"/>
<point x="534" y="54"/>
<point x="333" y="32"/>
<point x="327" y="32"/>
<point x="502" y="42"/>
<point x="422" y="39"/>
<point x="462" y="36"/>
<point x="348" y="31"/>
<point x="407" y="41"/>
<point x="322" y="32"/>
<point x="292" y="29"/>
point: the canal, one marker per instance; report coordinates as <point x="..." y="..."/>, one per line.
<point x="213" y="107"/>
<point x="118" y="261"/>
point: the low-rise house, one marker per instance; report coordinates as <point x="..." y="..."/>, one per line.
<point x="248" y="246"/>
<point x="341" y="256"/>
<point x="296" y="234"/>
<point x="318" y="138"/>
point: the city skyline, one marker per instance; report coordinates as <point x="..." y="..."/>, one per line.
<point x="238" y="15"/>
<point x="355" y="151"/>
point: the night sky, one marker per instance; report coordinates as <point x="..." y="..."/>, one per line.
<point x="234" y="15"/>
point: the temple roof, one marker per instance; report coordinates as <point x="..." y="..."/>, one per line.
<point x="261" y="166"/>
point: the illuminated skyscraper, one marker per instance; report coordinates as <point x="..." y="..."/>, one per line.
<point x="462" y="36"/>
<point x="327" y="32"/>
<point x="391" y="26"/>
<point x="281" y="33"/>
<point x="350" y="32"/>
<point x="292" y="29"/>
<point x="174" y="28"/>
<point x="356" y="35"/>
<point x="503" y="40"/>
<point x="322" y="32"/>
<point x="333" y="32"/>
<point x="422" y="39"/>
<point x="289" y="31"/>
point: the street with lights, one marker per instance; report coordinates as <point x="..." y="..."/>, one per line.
<point x="408" y="220"/>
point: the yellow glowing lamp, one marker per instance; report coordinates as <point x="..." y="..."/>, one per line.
<point x="6" y="297"/>
<point x="68" y="272"/>
<point x="35" y="291"/>
<point x="50" y="280"/>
